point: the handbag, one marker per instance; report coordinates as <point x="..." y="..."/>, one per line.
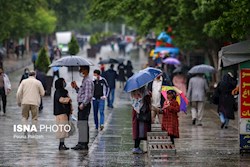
<point x="72" y="128"/>
<point x="144" y="115"/>
<point x="216" y="96"/>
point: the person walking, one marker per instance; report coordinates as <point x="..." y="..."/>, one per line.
<point x="141" y="117"/>
<point x="129" y="69"/>
<point x="110" y="75"/>
<point x="101" y="91"/>
<point x="56" y="72"/>
<point x="121" y="74"/>
<point x="170" y="122"/>
<point x="226" y="105"/>
<point x="25" y="74"/>
<point x="28" y="96"/>
<point x="196" y="94"/>
<point x="84" y="98"/>
<point x="62" y="110"/>
<point x="5" y="88"/>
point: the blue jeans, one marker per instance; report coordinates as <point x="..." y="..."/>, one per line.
<point x="98" y="104"/>
<point x="111" y="97"/>
<point x="223" y="119"/>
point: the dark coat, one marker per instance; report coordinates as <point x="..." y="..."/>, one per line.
<point x="60" y="108"/>
<point x="121" y="72"/>
<point x="226" y="99"/>
<point x="110" y="75"/>
<point x="170" y="121"/>
<point x="135" y="124"/>
<point x="129" y="70"/>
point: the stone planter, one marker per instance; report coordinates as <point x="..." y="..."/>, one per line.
<point x="91" y="52"/>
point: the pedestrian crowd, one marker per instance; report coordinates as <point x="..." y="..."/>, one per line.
<point x="149" y="106"/>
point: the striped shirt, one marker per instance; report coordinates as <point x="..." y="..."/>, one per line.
<point x="86" y="91"/>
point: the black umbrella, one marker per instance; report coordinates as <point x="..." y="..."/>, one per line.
<point x="111" y="61"/>
<point x="71" y="61"/>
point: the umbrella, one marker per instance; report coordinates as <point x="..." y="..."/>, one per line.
<point x="71" y="61"/>
<point x="111" y="61"/>
<point x="168" y="49"/>
<point x="202" y="68"/>
<point x="141" y="78"/>
<point x="164" y="37"/>
<point x="171" y="60"/>
<point x="181" y="98"/>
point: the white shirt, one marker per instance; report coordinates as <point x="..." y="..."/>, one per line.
<point x="156" y="92"/>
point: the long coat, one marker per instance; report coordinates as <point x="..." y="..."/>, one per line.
<point x="197" y="89"/>
<point x="226" y="99"/>
<point x="136" y="129"/>
<point x="170" y="121"/>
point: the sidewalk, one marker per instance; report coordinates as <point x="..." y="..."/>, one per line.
<point x="197" y="146"/>
<point x="12" y="64"/>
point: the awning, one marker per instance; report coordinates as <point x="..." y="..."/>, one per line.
<point x="234" y="54"/>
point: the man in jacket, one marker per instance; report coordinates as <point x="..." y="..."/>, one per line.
<point x="196" y="94"/>
<point x="28" y="96"/>
<point x="84" y="98"/>
<point x="101" y="91"/>
<point x="5" y="88"/>
<point x="110" y="75"/>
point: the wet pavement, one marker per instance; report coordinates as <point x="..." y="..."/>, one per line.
<point x="197" y="146"/>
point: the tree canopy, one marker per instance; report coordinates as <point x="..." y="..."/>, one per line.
<point x="195" y="23"/>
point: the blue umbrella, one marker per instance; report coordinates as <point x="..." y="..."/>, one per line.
<point x="168" y="49"/>
<point x="141" y="78"/>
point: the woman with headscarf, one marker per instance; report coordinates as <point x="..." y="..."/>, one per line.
<point x="141" y="117"/>
<point x="62" y="111"/>
<point x="226" y="99"/>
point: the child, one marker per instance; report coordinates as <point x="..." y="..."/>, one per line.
<point x="170" y="121"/>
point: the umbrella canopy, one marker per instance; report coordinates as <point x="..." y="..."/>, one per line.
<point x="111" y="61"/>
<point x="202" y="68"/>
<point x="167" y="49"/>
<point x="171" y="60"/>
<point x="141" y="78"/>
<point x="71" y="61"/>
<point x="181" y="98"/>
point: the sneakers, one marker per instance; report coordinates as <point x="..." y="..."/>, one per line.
<point x="101" y="127"/>
<point x="137" y="151"/>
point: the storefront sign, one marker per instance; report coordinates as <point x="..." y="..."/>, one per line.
<point x="245" y="93"/>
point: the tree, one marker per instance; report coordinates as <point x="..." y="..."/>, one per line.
<point x="43" y="62"/>
<point x="199" y="24"/>
<point x="73" y="46"/>
<point x="20" y="18"/>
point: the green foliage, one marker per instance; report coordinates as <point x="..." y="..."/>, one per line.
<point x="73" y="46"/>
<point x="20" y="18"/>
<point x="43" y="62"/>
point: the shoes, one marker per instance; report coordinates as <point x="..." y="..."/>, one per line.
<point x="80" y="147"/>
<point x="137" y="151"/>
<point x="101" y="127"/>
<point x="222" y="125"/>
<point x="226" y="127"/>
<point x="194" y="120"/>
<point x="199" y="124"/>
<point x="63" y="147"/>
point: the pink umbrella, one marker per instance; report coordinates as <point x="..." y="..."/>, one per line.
<point x="171" y="60"/>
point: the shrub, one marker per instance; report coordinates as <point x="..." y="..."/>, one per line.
<point x="43" y="62"/>
<point x="73" y="46"/>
